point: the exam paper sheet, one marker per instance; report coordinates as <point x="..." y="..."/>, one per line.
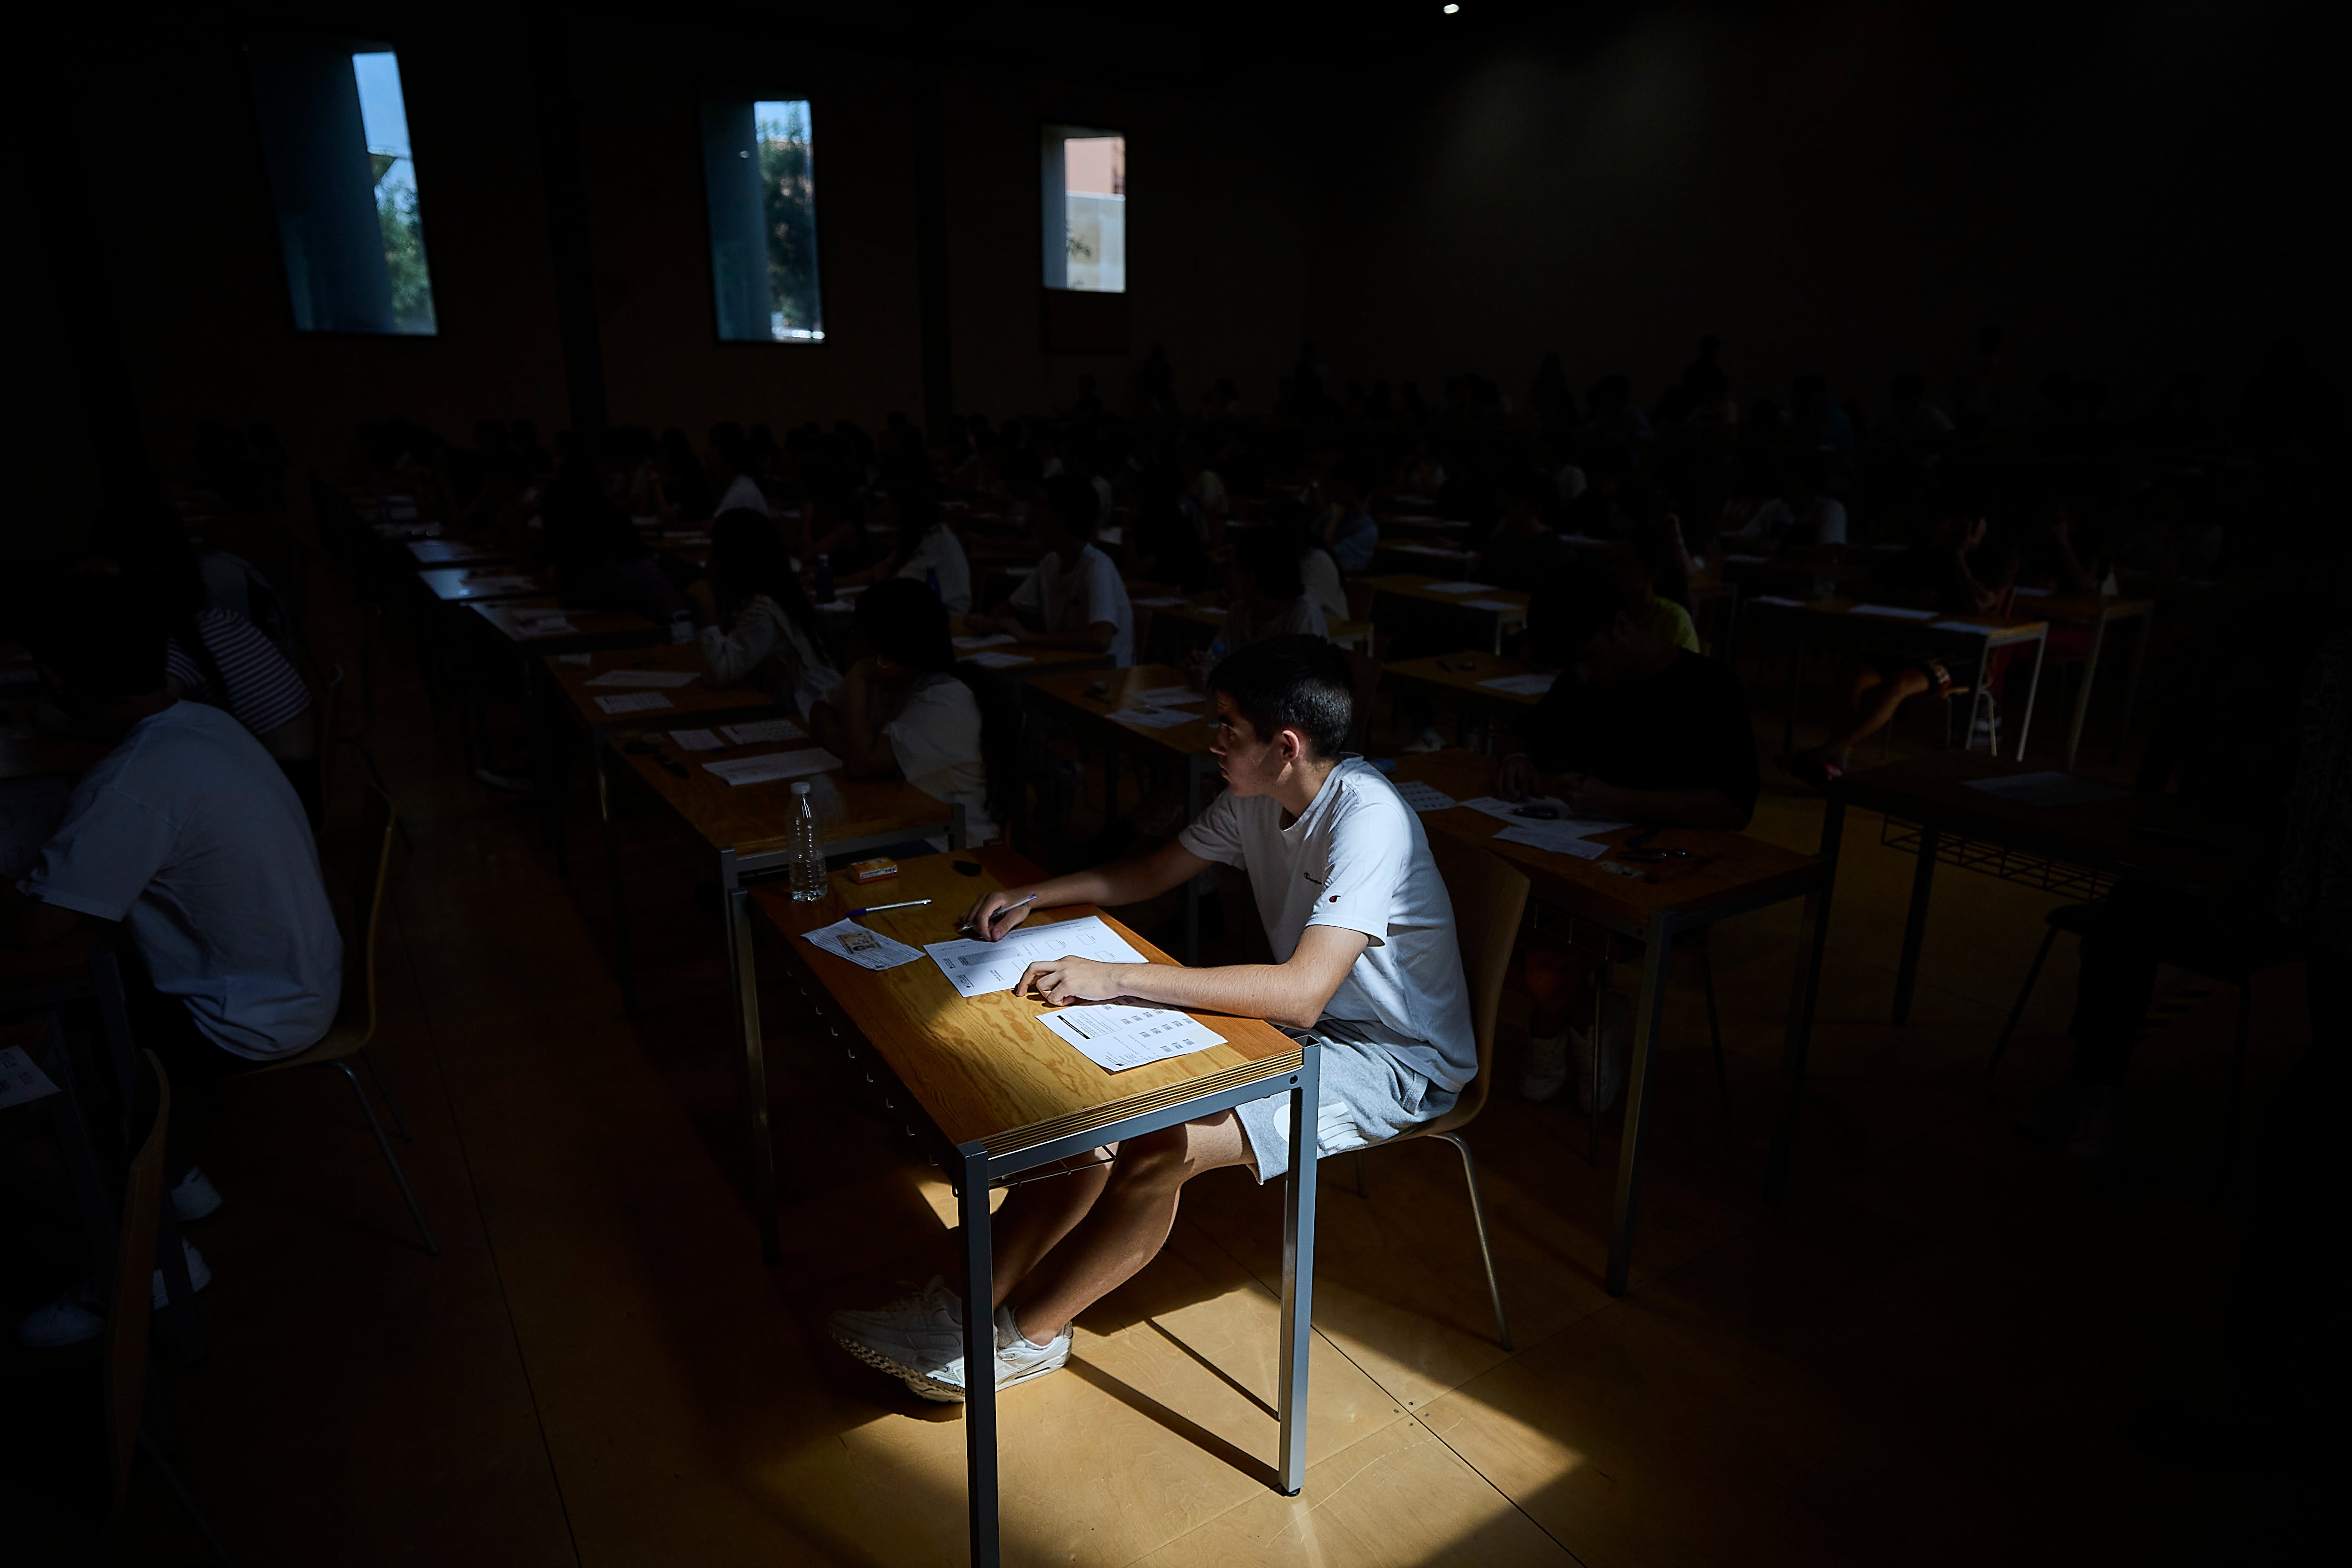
<point x="1114" y="1036"/>
<point x="976" y="968"/>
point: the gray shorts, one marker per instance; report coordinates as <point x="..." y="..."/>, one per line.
<point x="1367" y="1096"/>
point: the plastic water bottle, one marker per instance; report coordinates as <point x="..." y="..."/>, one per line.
<point x="825" y="579"/>
<point x="808" y="853"/>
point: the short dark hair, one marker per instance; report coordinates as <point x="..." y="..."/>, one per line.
<point x="904" y="621"/>
<point x="1268" y="556"/>
<point x="1075" y="501"/>
<point x="1573" y="607"/>
<point x="102" y="634"/>
<point x="1294" y="682"/>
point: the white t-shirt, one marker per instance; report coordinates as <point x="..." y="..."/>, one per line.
<point x="189" y="834"/>
<point x="1093" y="586"/>
<point x="937" y="740"/>
<point x="1358" y="859"/>
<point x="1301" y="615"/>
<point x="1321" y="575"/>
<point x="942" y="552"/>
<point x="1820" y="521"/>
<point x="746" y="494"/>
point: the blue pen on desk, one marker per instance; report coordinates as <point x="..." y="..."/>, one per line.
<point x="878" y="908"/>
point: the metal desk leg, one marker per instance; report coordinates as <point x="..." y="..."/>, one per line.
<point x="1649" y="1023"/>
<point x="1813" y="942"/>
<point x="2131" y="687"/>
<point x="1915" y="925"/>
<point x="1980" y="694"/>
<point x="743" y="971"/>
<point x="2082" y="695"/>
<point x="1298" y="1266"/>
<point x="1795" y="675"/>
<point x="979" y="1353"/>
<point x="2033" y="689"/>
<point x="624" y="964"/>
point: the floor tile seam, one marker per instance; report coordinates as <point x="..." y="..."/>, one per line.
<point x="489" y="1240"/>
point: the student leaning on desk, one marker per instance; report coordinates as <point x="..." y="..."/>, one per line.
<point x="1363" y="934"/>
<point x="1635" y="729"/>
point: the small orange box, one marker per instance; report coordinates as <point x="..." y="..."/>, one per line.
<point x="874" y="870"/>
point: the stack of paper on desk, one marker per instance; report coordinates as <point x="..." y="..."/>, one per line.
<point x="1114" y="1036"/>
<point x="775" y="765"/>
<point x="653" y="678"/>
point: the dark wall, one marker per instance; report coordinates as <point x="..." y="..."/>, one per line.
<point x="1856" y="189"/>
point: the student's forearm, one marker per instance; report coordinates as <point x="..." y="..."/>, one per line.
<point x="1275" y="992"/>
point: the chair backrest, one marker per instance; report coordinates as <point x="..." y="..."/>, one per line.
<point x="363" y="884"/>
<point x="1365" y="671"/>
<point x="131" y="1298"/>
<point x="1489" y="896"/>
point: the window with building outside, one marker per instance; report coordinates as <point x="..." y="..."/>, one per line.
<point x="759" y="180"/>
<point x="1085" y="210"/>
<point x="343" y="178"/>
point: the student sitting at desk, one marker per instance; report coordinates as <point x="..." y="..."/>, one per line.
<point x="902" y="712"/>
<point x="1363" y="935"/>
<point x="927" y="550"/>
<point x="1348" y="528"/>
<point x="1525" y="547"/>
<point x="1265" y="594"/>
<point x="1636" y="729"/>
<point x="756" y="625"/>
<point x="188" y="836"/>
<point x="1075" y="598"/>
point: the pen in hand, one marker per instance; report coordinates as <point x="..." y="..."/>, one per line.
<point x="982" y="929"/>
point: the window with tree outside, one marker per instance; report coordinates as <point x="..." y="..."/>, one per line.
<point x="760" y="180"/>
<point x="1085" y="210"/>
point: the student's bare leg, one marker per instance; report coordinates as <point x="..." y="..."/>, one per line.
<point x="1875" y="699"/>
<point x="1036" y="1217"/>
<point x="1127" y="1224"/>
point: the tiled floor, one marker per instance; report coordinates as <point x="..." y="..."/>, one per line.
<point x="1931" y="1353"/>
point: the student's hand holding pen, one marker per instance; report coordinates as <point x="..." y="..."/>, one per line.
<point x="993" y="914"/>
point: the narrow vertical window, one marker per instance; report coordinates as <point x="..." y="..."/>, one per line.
<point x="343" y="178"/>
<point x="759" y="168"/>
<point x="1085" y="210"/>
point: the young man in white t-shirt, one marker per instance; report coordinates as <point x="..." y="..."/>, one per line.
<point x="1362" y="933"/>
<point x="189" y="837"/>
<point x="901" y="712"/>
<point x="1075" y="598"/>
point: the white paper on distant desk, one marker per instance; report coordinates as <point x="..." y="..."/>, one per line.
<point x="495" y="583"/>
<point x="1160" y="603"/>
<point x="1748" y="560"/>
<point x="21" y="1079"/>
<point x="697" y="741"/>
<point x="2047" y="789"/>
<point x="1002" y="639"/>
<point x="634" y="702"/>
<point x="775" y="765"/>
<point x="992" y="661"/>
<point x="762" y="732"/>
<point x="1154" y="717"/>
<point x="866" y="948"/>
<point x="547" y="623"/>
<point x="1521" y="685"/>
<point x="1425" y="797"/>
<point x="1892" y="611"/>
<point x="1460" y="588"/>
<point x="661" y="679"/>
<point x="975" y="967"/>
<point x="1114" y="1036"/>
<point x="1548" y="836"/>
<point x="1567" y="823"/>
<point x="1166" y="696"/>
<point x="1500" y="606"/>
<point x="1777" y="599"/>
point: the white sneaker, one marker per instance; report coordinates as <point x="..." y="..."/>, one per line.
<point x="78" y="1314"/>
<point x="194" y="1198"/>
<point x="1544" y="1072"/>
<point x="1429" y="740"/>
<point x="908" y="1338"/>
<point x="1615" y="1018"/>
<point x="1017" y="1361"/>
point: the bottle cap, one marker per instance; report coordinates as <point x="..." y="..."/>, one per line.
<point x="801" y="788"/>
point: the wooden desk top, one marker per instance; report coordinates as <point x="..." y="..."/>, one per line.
<point x="1069" y="693"/>
<point x="691" y="706"/>
<point x="1412" y="585"/>
<point x="1724" y="868"/>
<point x="64" y="963"/>
<point x="48" y="755"/>
<point x="982" y="1066"/>
<point x="2121" y="835"/>
<point x="1037" y="661"/>
<point x="1999" y="628"/>
<point x="454" y="553"/>
<point x="2084" y="609"/>
<point x="610" y="625"/>
<point x="756" y="818"/>
<point x="473" y="585"/>
<point x="1462" y="672"/>
<point x="1423" y="550"/>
